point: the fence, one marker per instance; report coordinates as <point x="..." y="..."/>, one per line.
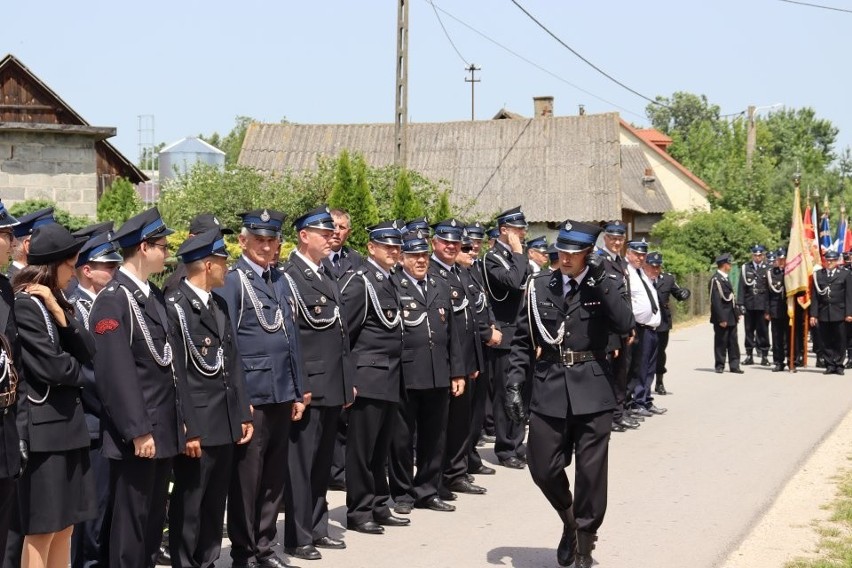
<point x="698" y="303"/>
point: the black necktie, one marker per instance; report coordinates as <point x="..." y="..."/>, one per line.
<point x="572" y="288"/>
<point x="422" y="284"/>
<point x="267" y="277"/>
<point x="335" y="260"/>
<point x="654" y="307"/>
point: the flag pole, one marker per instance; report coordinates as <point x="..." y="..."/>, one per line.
<point x="791" y="364"/>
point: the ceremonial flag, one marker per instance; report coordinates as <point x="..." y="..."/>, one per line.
<point x="824" y="236"/>
<point x="840" y="239"/>
<point x="799" y="267"/>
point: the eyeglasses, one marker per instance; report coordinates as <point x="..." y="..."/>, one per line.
<point x="165" y="247"/>
<point x="466" y="249"/>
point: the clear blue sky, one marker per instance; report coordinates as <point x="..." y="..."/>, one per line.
<point x="196" y="65"/>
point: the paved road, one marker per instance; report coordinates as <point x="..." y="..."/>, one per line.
<point x="684" y="489"/>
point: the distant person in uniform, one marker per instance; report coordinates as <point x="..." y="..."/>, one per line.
<point x="751" y="297"/>
<point x="568" y="317"/>
<point x="724" y="315"/>
<point x="22" y="232"/>
<point x="831" y="309"/>
<point x="537" y="253"/>
<point x="667" y="287"/>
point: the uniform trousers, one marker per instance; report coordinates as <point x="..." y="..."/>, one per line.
<point x="458" y="435"/>
<point x="134" y="521"/>
<point x="86" y="538"/>
<point x="552" y="441"/>
<point x="478" y="401"/>
<point x="509" y="436"/>
<point x="257" y="483"/>
<point x="726" y="343"/>
<point x="197" y="506"/>
<point x="620" y="376"/>
<point x="833" y="337"/>
<point x="310" y="456"/>
<point x="7" y="499"/>
<point x="371" y="424"/>
<point x="338" y="461"/>
<point x="645" y="355"/>
<point x="780" y="339"/>
<point x="757" y="336"/>
<point x="424" y="412"/>
<point x="662" y="345"/>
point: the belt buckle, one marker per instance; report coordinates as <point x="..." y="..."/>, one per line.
<point x="568" y="358"/>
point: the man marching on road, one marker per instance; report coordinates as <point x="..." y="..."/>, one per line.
<point x="327" y="388"/>
<point x="259" y="305"/>
<point x="724" y="316"/>
<point x="569" y="315"/>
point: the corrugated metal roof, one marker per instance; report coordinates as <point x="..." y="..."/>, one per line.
<point x="640" y="195"/>
<point x="191" y="145"/>
<point x="555" y="168"/>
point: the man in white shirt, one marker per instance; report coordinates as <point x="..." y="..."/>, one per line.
<point x="646" y="311"/>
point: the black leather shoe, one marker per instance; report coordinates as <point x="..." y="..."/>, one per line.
<point x="839" y="371"/>
<point x="273" y="562"/>
<point x="163" y="556"/>
<point x="402" y="508"/>
<point x="632" y="419"/>
<point x="436" y="504"/>
<point x="370" y="527"/>
<point x="737" y="371"/>
<point x="720" y="371"/>
<point x="641" y="411"/>
<point x="484" y="470"/>
<point x="470" y="477"/>
<point x="661" y="391"/>
<point x="465" y="486"/>
<point x="567" y="549"/>
<point x="625" y="422"/>
<point x="446" y="494"/>
<point x="849" y="364"/>
<point x="392" y="521"/>
<point x="328" y="542"/>
<point x="513" y="463"/>
<point x="764" y="361"/>
<point x="617" y="427"/>
<point x="306" y="552"/>
<point x="584" y="561"/>
<point x="777" y="367"/>
<point x="748" y="360"/>
<point x="657" y="410"/>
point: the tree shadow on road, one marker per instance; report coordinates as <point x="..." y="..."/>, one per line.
<point x="522" y="557"/>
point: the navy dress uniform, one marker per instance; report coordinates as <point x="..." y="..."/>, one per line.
<point x="776" y="308"/>
<point x="506" y="273"/>
<point x="467" y="329"/>
<point x="831" y="308"/>
<point x="751" y="297"/>
<point x="199" y="224"/>
<point x="142" y="390"/>
<point x="24" y="230"/>
<point x="329" y="379"/>
<point x="57" y="488"/>
<point x="724" y="315"/>
<point x="374" y="321"/>
<point x="260" y="306"/>
<point x="431" y="355"/>
<point x="86" y="539"/>
<point x="569" y="315"/>
<point x="537" y="244"/>
<point x="10" y="394"/>
<point x="216" y="387"/>
<point x="667" y="288"/>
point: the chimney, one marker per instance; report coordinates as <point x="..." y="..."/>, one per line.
<point x="582" y="110"/>
<point x="543" y="107"/>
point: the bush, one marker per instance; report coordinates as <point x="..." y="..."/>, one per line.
<point x="63" y="217"/>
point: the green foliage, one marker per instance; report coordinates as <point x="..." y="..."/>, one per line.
<point x="352" y="193"/>
<point x="690" y="241"/>
<point x="405" y="205"/>
<point x="119" y="202"/>
<point x="681" y="112"/>
<point x="63" y="217"/>
<point x="442" y="208"/>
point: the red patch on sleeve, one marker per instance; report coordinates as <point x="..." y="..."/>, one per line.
<point x="105" y="326"/>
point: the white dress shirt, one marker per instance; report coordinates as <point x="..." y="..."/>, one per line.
<point x="642" y="309"/>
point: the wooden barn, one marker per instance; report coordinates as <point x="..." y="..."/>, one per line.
<point x="48" y="151"/>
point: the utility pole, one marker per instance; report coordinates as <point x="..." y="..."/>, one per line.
<point x="751" y="136"/>
<point x="472" y="69"/>
<point x="401" y="123"/>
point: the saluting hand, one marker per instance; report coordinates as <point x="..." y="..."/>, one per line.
<point x="515" y="242"/>
<point x="248" y="430"/>
<point x="193" y="448"/>
<point x="144" y="447"/>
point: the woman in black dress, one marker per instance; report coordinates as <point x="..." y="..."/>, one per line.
<point x="57" y="488"/>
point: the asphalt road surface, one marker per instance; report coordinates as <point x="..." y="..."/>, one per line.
<point x="684" y="489"/>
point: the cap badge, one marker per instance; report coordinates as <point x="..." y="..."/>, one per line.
<point x="453" y="223"/>
<point x="215" y="220"/>
<point x="567" y="226"/>
<point x="323" y="299"/>
<point x="265" y="216"/>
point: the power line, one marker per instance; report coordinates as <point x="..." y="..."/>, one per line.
<point x="446" y="33"/>
<point x="533" y="63"/>
<point x="586" y="61"/>
<point x="817" y="6"/>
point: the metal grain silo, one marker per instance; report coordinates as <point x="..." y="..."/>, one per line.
<point x="179" y="157"/>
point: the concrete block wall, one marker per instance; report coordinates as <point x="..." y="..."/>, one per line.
<point x="59" y="167"/>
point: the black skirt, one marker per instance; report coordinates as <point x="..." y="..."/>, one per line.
<point x="56" y="491"/>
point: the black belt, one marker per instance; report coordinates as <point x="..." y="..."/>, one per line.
<point x="570" y="358"/>
<point x="643" y="326"/>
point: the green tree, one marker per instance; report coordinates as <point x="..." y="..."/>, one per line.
<point x="405" y="204"/>
<point x="119" y="202"/>
<point x="352" y="193"/>
<point x="63" y="217"/>
<point x="232" y="142"/>
<point x="442" y="209"/>
<point x="677" y="114"/>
